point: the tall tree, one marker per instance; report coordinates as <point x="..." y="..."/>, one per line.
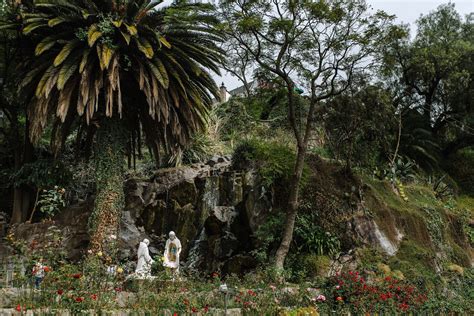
<point x="433" y="74"/>
<point x="15" y="124"/>
<point x="117" y="65"/>
<point x="319" y="45"/>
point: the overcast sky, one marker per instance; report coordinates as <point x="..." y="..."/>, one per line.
<point x="407" y="11"/>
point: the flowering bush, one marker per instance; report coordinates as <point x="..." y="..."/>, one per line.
<point x="352" y="291"/>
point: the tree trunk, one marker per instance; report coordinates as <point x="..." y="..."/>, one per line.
<point x="292" y="210"/>
<point x="22" y="195"/>
<point x="109" y="202"/>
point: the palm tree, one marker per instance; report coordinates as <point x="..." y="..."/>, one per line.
<point x="116" y="66"/>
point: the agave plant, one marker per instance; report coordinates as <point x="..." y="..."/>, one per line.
<point x="112" y="64"/>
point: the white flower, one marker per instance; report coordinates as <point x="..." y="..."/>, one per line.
<point x="113" y="237"/>
<point x="338" y="287"/>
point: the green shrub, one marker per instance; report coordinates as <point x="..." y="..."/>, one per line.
<point x="311" y="238"/>
<point x="274" y="161"/>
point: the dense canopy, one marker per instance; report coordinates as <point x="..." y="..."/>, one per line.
<point x="88" y="59"/>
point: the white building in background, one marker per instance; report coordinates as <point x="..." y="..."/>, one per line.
<point x="225" y="94"/>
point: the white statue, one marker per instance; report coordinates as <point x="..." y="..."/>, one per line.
<point x="144" y="259"/>
<point x="172" y="251"/>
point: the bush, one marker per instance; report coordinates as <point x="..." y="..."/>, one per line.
<point x="311" y="238"/>
<point x="349" y="290"/>
<point x="274" y="161"/>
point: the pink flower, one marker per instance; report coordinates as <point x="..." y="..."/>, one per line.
<point x="321" y="298"/>
<point x="338" y="287"/>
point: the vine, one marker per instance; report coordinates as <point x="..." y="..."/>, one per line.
<point x="110" y="199"/>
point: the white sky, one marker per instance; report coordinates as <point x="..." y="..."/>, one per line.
<point x="407" y="11"/>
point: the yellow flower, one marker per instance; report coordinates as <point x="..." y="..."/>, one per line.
<point x="99" y="254"/>
<point x="119" y="270"/>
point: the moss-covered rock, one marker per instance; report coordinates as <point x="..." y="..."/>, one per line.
<point x="316" y="265"/>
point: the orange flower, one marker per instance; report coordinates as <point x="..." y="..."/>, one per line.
<point x="339" y="299"/>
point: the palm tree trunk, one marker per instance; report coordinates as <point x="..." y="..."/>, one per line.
<point x="109" y="202"/>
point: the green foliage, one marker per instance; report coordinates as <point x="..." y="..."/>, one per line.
<point x="402" y="169"/>
<point x="109" y="176"/>
<point x="359" y="126"/>
<point x="418" y="143"/>
<point x="430" y="78"/>
<point x="460" y="167"/>
<point x="268" y="236"/>
<point x="311" y="238"/>
<point x="51" y="201"/>
<point x="43" y="173"/>
<point x="85" y="52"/>
<point x="441" y="188"/>
<point x="273" y="161"/>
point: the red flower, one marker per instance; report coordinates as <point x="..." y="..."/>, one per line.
<point x="94" y="296"/>
<point x="214" y="274"/>
<point x="194" y="310"/>
<point x="118" y="289"/>
<point x="46" y="269"/>
<point x="339" y="299"/>
<point x="60" y="292"/>
<point x="206" y="308"/>
<point x="388" y="278"/>
<point x="383" y="297"/>
<point x="175" y="314"/>
<point x="18" y="308"/>
<point x="246" y="304"/>
<point x="251" y="293"/>
<point x="404" y="307"/>
<point x="79" y="299"/>
<point x="76" y="276"/>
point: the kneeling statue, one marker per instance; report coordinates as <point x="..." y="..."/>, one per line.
<point x="144" y="260"/>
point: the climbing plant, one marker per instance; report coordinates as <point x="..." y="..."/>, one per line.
<point x="110" y="199"/>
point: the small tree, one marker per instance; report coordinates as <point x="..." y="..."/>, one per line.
<point x="319" y="45"/>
